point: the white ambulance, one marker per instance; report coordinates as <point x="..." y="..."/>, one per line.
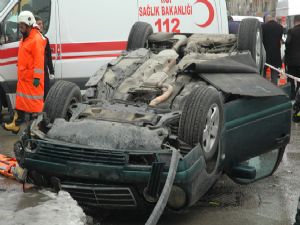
<point x="85" y="34"/>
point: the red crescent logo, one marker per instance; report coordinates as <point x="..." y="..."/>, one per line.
<point x="211" y="12"/>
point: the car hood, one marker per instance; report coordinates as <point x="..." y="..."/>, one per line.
<point x="107" y="135"/>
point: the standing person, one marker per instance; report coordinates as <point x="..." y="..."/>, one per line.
<point x="30" y="86"/>
<point x="233" y="26"/>
<point x="48" y="58"/>
<point x="272" y="36"/>
<point x="292" y="54"/>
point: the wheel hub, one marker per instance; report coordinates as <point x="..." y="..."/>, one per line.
<point x="211" y="129"/>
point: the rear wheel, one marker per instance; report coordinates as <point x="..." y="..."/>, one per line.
<point x="59" y="99"/>
<point x="250" y="38"/>
<point x="202" y="121"/>
<point x="138" y="37"/>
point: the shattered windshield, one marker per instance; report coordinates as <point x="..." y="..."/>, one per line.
<point x="3" y="4"/>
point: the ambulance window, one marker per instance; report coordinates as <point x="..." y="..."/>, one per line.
<point x="3" y="4"/>
<point x="10" y="24"/>
<point x="38" y="8"/>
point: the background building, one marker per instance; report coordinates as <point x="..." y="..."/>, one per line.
<point x="251" y="7"/>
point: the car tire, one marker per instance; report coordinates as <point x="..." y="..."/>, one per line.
<point x="250" y="39"/>
<point x="202" y="115"/>
<point x="59" y="99"/>
<point x="138" y="36"/>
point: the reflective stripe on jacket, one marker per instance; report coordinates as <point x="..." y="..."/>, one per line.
<point x="30" y="66"/>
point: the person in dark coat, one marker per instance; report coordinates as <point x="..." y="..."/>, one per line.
<point x="292" y="54"/>
<point x="233" y="26"/>
<point x="49" y="69"/>
<point x="272" y="39"/>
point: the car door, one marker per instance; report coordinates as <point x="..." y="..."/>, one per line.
<point x="254" y="127"/>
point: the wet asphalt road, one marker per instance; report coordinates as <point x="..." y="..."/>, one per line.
<point x="271" y="201"/>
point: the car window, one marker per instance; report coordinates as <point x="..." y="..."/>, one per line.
<point x="37" y="7"/>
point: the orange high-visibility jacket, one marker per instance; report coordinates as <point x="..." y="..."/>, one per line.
<point x="31" y="65"/>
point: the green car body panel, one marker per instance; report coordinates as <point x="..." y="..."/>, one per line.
<point x="251" y="128"/>
<point x="114" y="148"/>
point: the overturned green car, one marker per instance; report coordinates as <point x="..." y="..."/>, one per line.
<point x="167" y="119"/>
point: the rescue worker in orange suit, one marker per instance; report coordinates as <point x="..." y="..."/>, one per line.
<point x="30" y="86"/>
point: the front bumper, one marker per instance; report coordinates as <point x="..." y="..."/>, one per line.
<point x="113" y="178"/>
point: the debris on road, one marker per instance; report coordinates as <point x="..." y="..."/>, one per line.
<point x="6" y="166"/>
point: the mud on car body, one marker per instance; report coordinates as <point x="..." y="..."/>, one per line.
<point x="200" y="96"/>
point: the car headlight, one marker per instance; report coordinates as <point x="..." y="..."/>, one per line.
<point x="177" y="198"/>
